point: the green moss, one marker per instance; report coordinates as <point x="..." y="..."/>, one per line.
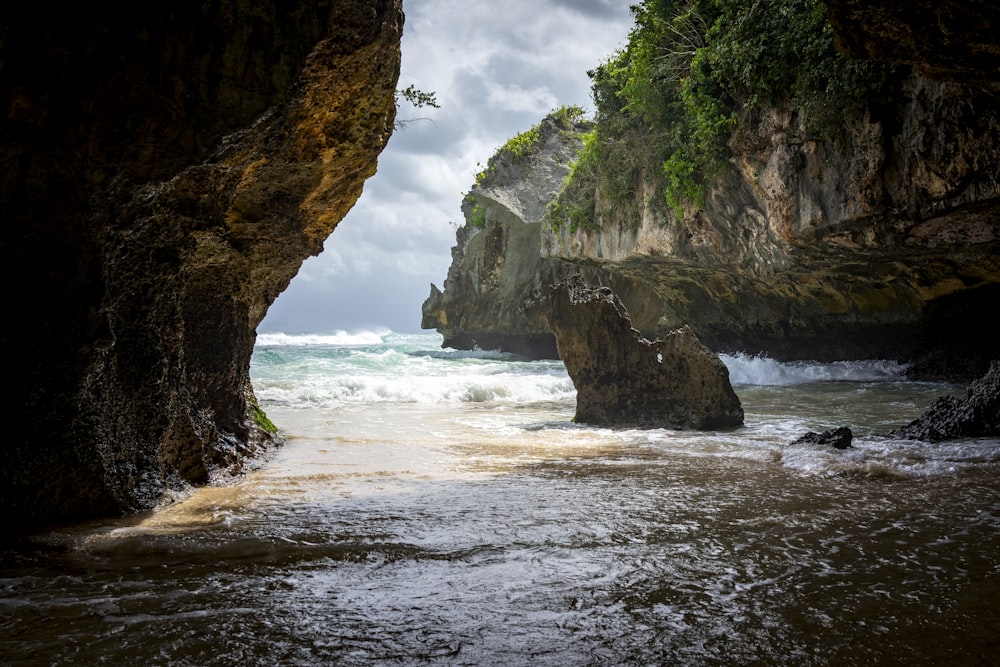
<point x="259" y="418"/>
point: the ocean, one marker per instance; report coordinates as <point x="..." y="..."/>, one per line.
<point x="434" y="506"/>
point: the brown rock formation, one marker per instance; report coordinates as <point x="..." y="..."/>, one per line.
<point x="623" y="379"/>
<point x="165" y="170"/>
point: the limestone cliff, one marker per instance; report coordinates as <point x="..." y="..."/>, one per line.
<point x="883" y="241"/>
<point x="883" y="244"/>
<point x="166" y="169"/>
<point x="497" y="271"/>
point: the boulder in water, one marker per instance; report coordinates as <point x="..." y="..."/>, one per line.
<point x="839" y="438"/>
<point x="623" y="379"/>
<point x="948" y="418"/>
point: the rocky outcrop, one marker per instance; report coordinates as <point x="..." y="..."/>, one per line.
<point x="883" y="243"/>
<point x="811" y="248"/>
<point x="166" y="169"/>
<point x="623" y="379"/>
<point x="949" y="417"/>
<point x="497" y="271"/>
<point x="838" y="438"/>
<point x="953" y="41"/>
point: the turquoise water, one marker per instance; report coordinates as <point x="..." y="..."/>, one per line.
<point x="440" y="507"/>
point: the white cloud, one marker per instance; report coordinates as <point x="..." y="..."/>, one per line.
<point x="496" y="71"/>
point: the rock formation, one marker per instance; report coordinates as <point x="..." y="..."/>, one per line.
<point x="883" y="243"/>
<point x="948" y="418"/>
<point x="623" y="379"/>
<point x="838" y="438"/>
<point x="497" y="270"/>
<point x="953" y="41"/>
<point x="166" y="169"/>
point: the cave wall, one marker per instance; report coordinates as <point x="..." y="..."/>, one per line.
<point x="166" y="169"/>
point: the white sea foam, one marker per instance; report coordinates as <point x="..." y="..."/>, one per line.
<point x="746" y="369"/>
<point x="379" y="378"/>
<point x="298" y="371"/>
<point x="335" y="338"/>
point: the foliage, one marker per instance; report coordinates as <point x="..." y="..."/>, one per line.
<point x="576" y="204"/>
<point x="522" y="144"/>
<point x="419" y="98"/>
<point x="568" y="116"/>
<point x="692" y="72"/>
<point x="477" y="214"/>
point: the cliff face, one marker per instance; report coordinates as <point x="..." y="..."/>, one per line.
<point x="882" y="242"/>
<point x="498" y="275"/>
<point x="954" y="41"/>
<point x="166" y="169"/>
<point x="822" y="249"/>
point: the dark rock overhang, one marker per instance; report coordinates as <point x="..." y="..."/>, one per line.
<point x="947" y="41"/>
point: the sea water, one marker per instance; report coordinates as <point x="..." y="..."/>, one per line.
<point x="434" y="506"/>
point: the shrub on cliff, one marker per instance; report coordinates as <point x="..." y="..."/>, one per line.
<point x="569" y="120"/>
<point x="677" y="96"/>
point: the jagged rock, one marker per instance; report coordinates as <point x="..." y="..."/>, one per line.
<point x="839" y="438"/>
<point x="623" y="379"/>
<point x="165" y="169"/>
<point x="948" y="418"/>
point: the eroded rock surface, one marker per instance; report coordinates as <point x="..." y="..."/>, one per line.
<point x="838" y="438"/>
<point x="164" y="171"/>
<point x="497" y="270"/>
<point x="623" y="379"/>
<point x="948" y="418"/>
<point x="951" y="41"/>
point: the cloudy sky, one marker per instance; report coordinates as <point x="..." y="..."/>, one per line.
<point x="497" y="69"/>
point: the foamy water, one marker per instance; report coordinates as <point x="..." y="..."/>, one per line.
<point x="535" y="400"/>
<point x="440" y="507"/>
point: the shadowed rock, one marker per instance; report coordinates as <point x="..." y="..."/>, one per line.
<point x="948" y="418"/>
<point x="165" y="169"/>
<point x="623" y="379"/>
<point x="839" y="438"/>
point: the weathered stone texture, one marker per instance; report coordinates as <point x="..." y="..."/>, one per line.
<point x="949" y="41"/>
<point x="497" y="271"/>
<point x="623" y="379"/>
<point x="977" y="414"/>
<point x="165" y="169"/>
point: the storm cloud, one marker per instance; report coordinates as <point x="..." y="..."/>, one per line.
<point x="496" y="70"/>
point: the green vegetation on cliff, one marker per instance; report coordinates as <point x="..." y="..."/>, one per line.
<point x="681" y="95"/>
<point x="515" y="151"/>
